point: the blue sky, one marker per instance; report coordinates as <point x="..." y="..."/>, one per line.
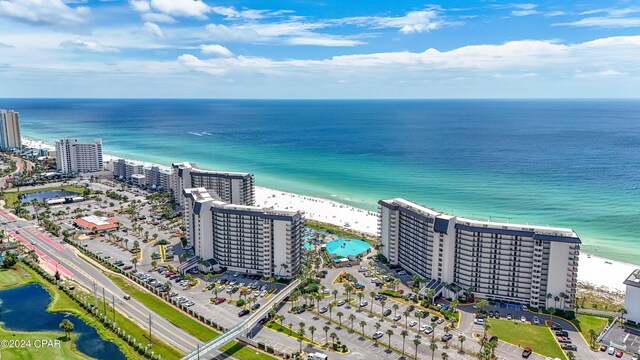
<point x="319" y="49"/>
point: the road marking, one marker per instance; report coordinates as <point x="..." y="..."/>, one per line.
<point x="46" y="239"/>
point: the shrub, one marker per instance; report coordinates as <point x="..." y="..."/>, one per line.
<point x="240" y="302"/>
<point x="390" y="293"/>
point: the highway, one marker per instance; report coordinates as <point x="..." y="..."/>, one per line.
<point x="66" y="259"/>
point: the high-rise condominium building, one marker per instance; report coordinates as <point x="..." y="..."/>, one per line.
<point x="230" y="187"/>
<point x="246" y="239"/>
<point x="153" y="177"/>
<point x="519" y="263"/>
<point x="76" y="157"/>
<point x="157" y="178"/>
<point x="9" y="129"/>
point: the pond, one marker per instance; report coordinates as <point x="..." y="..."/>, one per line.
<point x="44" y="195"/>
<point x="31" y="302"/>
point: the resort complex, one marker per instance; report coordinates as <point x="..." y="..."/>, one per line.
<point x="508" y="262"/>
<point x="9" y="129"/>
<point x="230" y="187"/>
<point x="242" y="238"/>
<point x="632" y="297"/>
<point x="152" y="177"/>
<point x="73" y="157"/>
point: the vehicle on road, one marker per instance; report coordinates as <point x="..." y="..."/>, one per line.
<point x="536" y="320"/>
<point x="127" y="297"/>
<point x="509" y="317"/>
<point x="522" y="318"/>
<point x="243" y="312"/>
<point x="526" y="352"/>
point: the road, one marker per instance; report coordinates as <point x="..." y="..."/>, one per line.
<point x="67" y="259"/>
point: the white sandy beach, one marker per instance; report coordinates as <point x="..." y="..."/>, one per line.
<point x="595" y="270"/>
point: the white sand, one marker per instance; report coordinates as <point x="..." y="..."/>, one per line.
<point x="593" y="270"/>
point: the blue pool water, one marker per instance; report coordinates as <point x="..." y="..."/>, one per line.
<point x="307" y="246"/>
<point x="346" y="247"/>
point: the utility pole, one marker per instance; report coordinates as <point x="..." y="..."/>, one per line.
<point x="113" y="306"/>
<point x="104" y="303"/>
<point x="95" y="296"/>
<point x="150" y="342"/>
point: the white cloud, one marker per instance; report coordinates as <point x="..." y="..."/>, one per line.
<point x="525" y="58"/>
<point x="555" y="13"/>
<point x="412" y="22"/>
<point x="5" y="45"/>
<point x="153" y="29"/>
<point x="611" y="22"/>
<point x="79" y="44"/>
<point x="524" y="12"/>
<point x="232" y="13"/>
<point x="44" y="12"/>
<point x="292" y="33"/>
<point x="140" y="5"/>
<point x="525" y="6"/>
<point x="605" y="73"/>
<point x="186" y="8"/>
<point x="215" y="50"/>
<point x="158" y="18"/>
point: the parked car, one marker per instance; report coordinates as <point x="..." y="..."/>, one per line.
<point x="243" y="312"/>
<point x="397" y="318"/>
<point x="493" y="338"/>
<point x="340" y="303"/>
<point x="611" y="350"/>
<point x="446" y="337"/>
<point x="522" y="318"/>
<point x="413" y="323"/>
<point x="478" y="321"/>
<point x="428" y="330"/>
<point x="536" y="320"/>
<point x="440" y="321"/>
<point x="509" y="317"/>
<point x="255" y="307"/>
<point x="618" y="353"/>
<point x="555" y="327"/>
<point x="563" y="340"/>
<point x="526" y="353"/>
<point x="377" y="335"/>
<point x="562" y="333"/>
<point x="570" y="347"/>
<point x="386" y="312"/>
<point x="219" y="301"/>
<point x="434" y="318"/>
<point x="323" y="310"/>
<point x="128" y="267"/>
<point x="364" y="303"/>
<point x="603" y="348"/>
<point x="411" y="308"/>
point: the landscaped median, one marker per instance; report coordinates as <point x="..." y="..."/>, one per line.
<point x="586" y="323"/>
<point x="184" y="321"/>
<point x="539" y="338"/>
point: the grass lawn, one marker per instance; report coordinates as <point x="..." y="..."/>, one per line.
<point x="66" y="351"/>
<point x="12" y="196"/>
<point x="60" y="302"/>
<point x="184" y="321"/>
<point x="584" y="323"/>
<point x="12" y="278"/>
<point x="537" y="337"/>
<point x="337" y="230"/>
<point x="285" y="330"/>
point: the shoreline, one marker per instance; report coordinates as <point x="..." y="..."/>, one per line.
<point x="592" y="269"/>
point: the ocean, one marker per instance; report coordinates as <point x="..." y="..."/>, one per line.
<point x="568" y="163"/>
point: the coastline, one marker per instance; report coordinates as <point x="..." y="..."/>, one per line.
<point x="594" y="270"/>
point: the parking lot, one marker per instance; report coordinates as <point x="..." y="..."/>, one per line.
<point x="623" y="338"/>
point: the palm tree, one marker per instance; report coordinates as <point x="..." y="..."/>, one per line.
<point x="445" y="356"/>
<point x="67" y="326"/>
<point x="404" y="334"/>
<point x="377" y="326"/>
<point x="134" y="261"/>
<point x="555" y="300"/>
<point x="433" y="348"/>
<point x="395" y="308"/>
<point x="360" y="296"/>
<point x="362" y="325"/>
<point x="334" y="336"/>
<point x="482" y="304"/>
<point x="390" y="333"/>
<point x="592" y="338"/>
<point x="416" y="342"/>
<point x="406" y="314"/>
<point x="348" y="288"/>
<point x="373" y="296"/>
<point x="430" y="294"/>
<point x="352" y="317"/>
<point x="312" y="330"/>
<point x="382" y="303"/>
<point x="453" y="305"/>
<point x="433" y="333"/>
<point x="486" y="326"/>
<point x="335" y="294"/>
<point x="623" y="312"/>
<point x="571" y="355"/>
<point x="326" y="331"/>
<point x="549" y="297"/>
<point x="340" y="315"/>
<point x="461" y="338"/>
<point x="330" y="306"/>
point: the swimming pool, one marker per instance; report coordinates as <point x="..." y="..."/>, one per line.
<point x="347" y="247"/>
<point x="307" y="246"/>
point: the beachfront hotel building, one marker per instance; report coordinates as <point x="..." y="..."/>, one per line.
<point x="73" y="157"/>
<point x="632" y="297"/>
<point x="500" y="261"/>
<point x="9" y="129"/>
<point x="246" y="239"/>
<point x="230" y="187"/>
<point x="152" y="177"/>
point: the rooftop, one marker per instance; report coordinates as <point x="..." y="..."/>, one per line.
<point x="633" y="279"/>
<point x="542" y="230"/>
<point x="99" y="223"/>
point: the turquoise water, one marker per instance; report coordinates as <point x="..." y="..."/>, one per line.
<point x="568" y="163"/>
<point x="308" y="246"/>
<point x="346" y="247"/>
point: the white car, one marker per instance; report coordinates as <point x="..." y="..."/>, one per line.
<point x="397" y="318"/>
<point x="377" y="335"/>
<point x="611" y="350"/>
<point x="428" y="330"/>
<point x="423" y="327"/>
<point x="522" y="318"/>
<point x="413" y="323"/>
<point x="478" y="321"/>
<point x="364" y="303"/>
<point x="340" y="303"/>
<point x="536" y="320"/>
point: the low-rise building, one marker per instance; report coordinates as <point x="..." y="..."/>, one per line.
<point x="632" y="297"/>
<point x="96" y="224"/>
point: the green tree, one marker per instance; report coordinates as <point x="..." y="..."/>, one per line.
<point x="67" y="327"/>
<point x="461" y="338"/>
<point x="312" y="330"/>
<point x="404" y="334"/>
<point x="389" y="332"/>
<point x="9" y="259"/>
<point x="416" y="342"/>
<point x="433" y="348"/>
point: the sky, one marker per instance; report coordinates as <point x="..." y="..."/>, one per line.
<point x="327" y="49"/>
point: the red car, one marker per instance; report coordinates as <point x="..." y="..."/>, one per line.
<point x="619" y="353"/>
<point x="168" y="273"/>
<point x="526" y="353"/>
<point x="219" y="301"/>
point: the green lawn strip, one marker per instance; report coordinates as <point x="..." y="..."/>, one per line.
<point x="584" y="323"/>
<point x="184" y="321"/>
<point x="12" y="196"/>
<point x="285" y="330"/>
<point x="37" y="346"/>
<point x="13" y="278"/>
<point x="337" y="230"/>
<point x="536" y="337"/>
<point x="61" y="302"/>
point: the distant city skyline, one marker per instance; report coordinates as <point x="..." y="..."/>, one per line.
<point x="319" y="49"/>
